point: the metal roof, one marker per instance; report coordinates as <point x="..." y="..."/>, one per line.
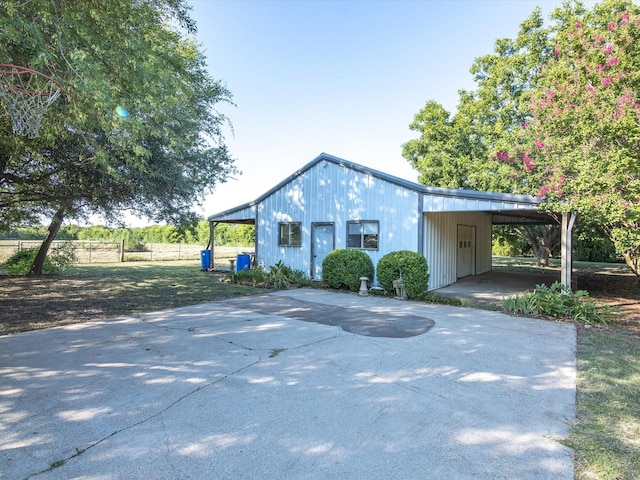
<point x="245" y="213"/>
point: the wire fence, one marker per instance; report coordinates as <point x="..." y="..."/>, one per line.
<point x="86" y="252"/>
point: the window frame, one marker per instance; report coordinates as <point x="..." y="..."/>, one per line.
<point x="290" y="234"/>
<point x="363" y="234"/>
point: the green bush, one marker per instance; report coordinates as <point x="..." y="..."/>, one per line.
<point x="277" y="276"/>
<point x="558" y="302"/>
<point x="593" y="248"/>
<point x="20" y="262"/>
<point x="414" y="268"/>
<point x="343" y="267"/>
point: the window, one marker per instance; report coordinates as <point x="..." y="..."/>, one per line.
<point x="290" y="234"/>
<point x="362" y="234"/>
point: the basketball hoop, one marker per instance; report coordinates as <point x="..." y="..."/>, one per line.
<point x="27" y="95"/>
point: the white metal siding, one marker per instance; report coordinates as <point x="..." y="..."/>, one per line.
<point x="440" y="244"/>
<point x="244" y="214"/>
<point x="331" y="193"/>
<point x="441" y="203"/>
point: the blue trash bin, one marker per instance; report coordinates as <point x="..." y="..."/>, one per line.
<point x="243" y="262"/>
<point x="205" y="259"/>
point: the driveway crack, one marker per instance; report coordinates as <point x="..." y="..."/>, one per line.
<point x="60" y="462"/>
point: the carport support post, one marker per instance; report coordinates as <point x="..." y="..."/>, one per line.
<point x="212" y="226"/>
<point x="566" y="247"/>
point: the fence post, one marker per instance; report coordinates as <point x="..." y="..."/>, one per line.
<point x="121" y="259"/>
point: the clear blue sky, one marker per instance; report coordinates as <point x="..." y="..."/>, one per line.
<point x="341" y="77"/>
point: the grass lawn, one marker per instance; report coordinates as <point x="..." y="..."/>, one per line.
<point x="605" y="435"/>
<point x="100" y="291"/>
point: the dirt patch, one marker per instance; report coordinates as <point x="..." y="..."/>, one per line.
<point x="621" y="291"/>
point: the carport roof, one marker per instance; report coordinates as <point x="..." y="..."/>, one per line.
<point x="505" y="208"/>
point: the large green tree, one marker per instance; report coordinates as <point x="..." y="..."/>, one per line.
<point x="162" y="156"/>
<point x="457" y="151"/>
<point x="555" y="115"/>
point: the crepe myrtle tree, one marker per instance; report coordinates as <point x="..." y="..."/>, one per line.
<point x="135" y="128"/>
<point x="456" y="151"/>
<point x="581" y="148"/>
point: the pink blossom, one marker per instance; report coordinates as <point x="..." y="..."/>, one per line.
<point x="539" y="144"/>
<point x="608" y="48"/>
<point x="591" y="90"/>
<point x="578" y="25"/>
<point x="503" y="157"/>
<point x="611" y="26"/>
<point x="600" y="69"/>
<point x="528" y="163"/>
<point x="619" y="112"/>
<point x="606" y="81"/>
<point x="611" y="61"/>
<point x="598" y="39"/>
<point x="543" y="191"/>
<point x="625" y="99"/>
<point x="625" y="19"/>
<point x="556" y="50"/>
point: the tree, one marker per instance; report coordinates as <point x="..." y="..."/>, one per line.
<point x="581" y="149"/>
<point x="165" y="154"/>
<point x="458" y="151"/>
<point x="555" y="115"/>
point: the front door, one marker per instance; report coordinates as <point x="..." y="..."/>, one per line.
<point x="466" y="250"/>
<point x="322" y="242"/>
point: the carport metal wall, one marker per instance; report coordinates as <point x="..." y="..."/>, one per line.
<point x="440" y="244"/>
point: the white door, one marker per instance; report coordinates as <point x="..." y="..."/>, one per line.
<point x="322" y="242"/>
<point x="466" y="250"/>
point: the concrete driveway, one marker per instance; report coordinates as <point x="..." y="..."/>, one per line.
<point x="298" y="384"/>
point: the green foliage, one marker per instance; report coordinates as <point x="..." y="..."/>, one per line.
<point x="224" y="234"/>
<point x="160" y="161"/>
<point x="63" y="254"/>
<point x="506" y="242"/>
<point x="554" y="115"/>
<point x="229" y="234"/>
<point x="343" y="267"/>
<point x="254" y="276"/>
<point x="592" y="245"/>
<point x="278" y="276"/>
<point x="557" y="301"/>
<point x="414" y="268"/>
<point x="20" y="263"/>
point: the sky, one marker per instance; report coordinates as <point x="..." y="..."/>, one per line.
<point x="341" y="77"/>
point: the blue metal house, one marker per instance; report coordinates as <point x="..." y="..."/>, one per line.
<point x="333" y="203"/>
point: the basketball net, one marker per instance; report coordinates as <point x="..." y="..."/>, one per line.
<point x="27" y="95"/>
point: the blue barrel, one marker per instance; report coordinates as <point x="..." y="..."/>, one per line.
<point x="205" y="259"/>
<point x="243" y="262"/>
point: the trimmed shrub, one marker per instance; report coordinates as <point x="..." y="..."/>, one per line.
<point x="415" y="272"/>
<point x="343" y="267"/>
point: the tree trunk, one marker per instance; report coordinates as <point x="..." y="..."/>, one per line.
<point x="633" y="261"/>
<point x="38" y="263"/>
<point x="544" y="243"/>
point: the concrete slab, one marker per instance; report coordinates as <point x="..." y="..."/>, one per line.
<point x="492" y="287"/>
<point x="232" y="390"/>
